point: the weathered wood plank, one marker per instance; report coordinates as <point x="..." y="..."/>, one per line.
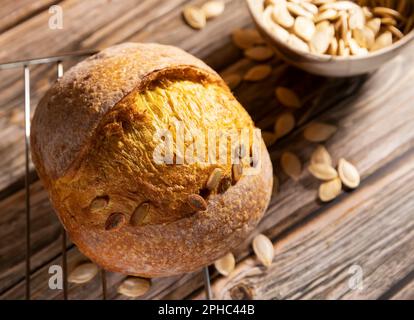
<point x="407" y="290"/>
<point x="295" y="201"/>
<point x="33" y="38"/>
<point x="14" y="12"/>
<point x="44" y="236"/>
<point x="371" y="228"/>
<point x="371" y="120"/>
<point x="14" y="159"/>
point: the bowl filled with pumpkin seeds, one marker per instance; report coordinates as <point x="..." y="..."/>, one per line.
<point x="333" y="37"/>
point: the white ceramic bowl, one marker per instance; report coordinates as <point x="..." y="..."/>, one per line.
<point x="327" y="65"/>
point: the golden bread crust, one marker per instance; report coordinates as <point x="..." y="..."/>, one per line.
<point x="79" y="100"/>
<point x="92" y="145"/>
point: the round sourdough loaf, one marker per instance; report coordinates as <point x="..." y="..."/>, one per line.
<point x="93" y="139"/>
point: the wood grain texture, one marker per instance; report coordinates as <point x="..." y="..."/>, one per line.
<point x="375" y="129"/>
<point x="371" y="228"/>
<point x="13" y="13"/>
<point x="404" y="292"/>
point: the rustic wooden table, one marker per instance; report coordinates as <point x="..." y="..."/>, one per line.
<point x="318" y="246"/>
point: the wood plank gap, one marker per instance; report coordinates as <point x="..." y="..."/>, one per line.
<point x="400" y="285"/>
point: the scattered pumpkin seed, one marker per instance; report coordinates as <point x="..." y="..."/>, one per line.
<point x="214" y="179"/>
<point x="115" y="221"/>
<point x="288" y="97"/>
<point x="83" y="273"/>
<point x="319" y="132"/>
<point x="291" y="165"/>
<point x="259" y="53"/>
<point x="321" y="155"/>
<point x="237" y="172"/>
<point x="226" y="264"/>
<point x="134" y="287"/>
<point x="258" y="73"/>
<point x="197" y="202"/>
<point x="263" y="248"/>
<point x="139" y="214"/>
<point x="328" y="191"/>
<point x="349" y="174"/>
<point x="322" y="171"/>
<point x="213" y="9"/>
<point x="284" y="124"/>
<point x="98" y="203"/>
<point x="194" y="17"/>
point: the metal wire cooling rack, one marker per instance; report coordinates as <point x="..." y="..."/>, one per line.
<point x="25" y="65"/>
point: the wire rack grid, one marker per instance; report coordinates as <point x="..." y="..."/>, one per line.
<point x="57" y="61"/>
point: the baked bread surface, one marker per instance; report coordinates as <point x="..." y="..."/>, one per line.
<point x="93" y="144"/>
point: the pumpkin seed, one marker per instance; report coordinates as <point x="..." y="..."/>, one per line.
<point x="288" y="97"/>
<point x="365" y="37"/>
<point x="320" y="41"/>
<point x="349" y="174"/>
<point x="225" y="265"/>
<point x="260" y="53"/>
<point x="389" y="21"/>
<point x="374" y="25"/>
<point x="387" y="12"/>
<point x="232" y="80"/>
<point x="214" y="179"/>
<point x="139" y="214"/>
<point x="321" y="155"/>
<point x="356" y="18"/>
<point x="98" y="203"/>
<point x="395" y="31"/>
<point x="284" y="124"/>
<point x="338" y="5"/>
<point x="297" y="43"/>
<point x="384" y="40"/>
<point x="281" y="15"/>
<point x="237" y="172"/>
<point x="328" y="191"/>
<point x="309" y="7"/>
<point x="333" y="47"/>
<point x="194" y="17"/>
<point x="356" y="50"/>
<point x="246" y="38"/>
<point x="83" y="273"/>
<point x="213" y="9"/>
<point x="291" y="165"/>
<point x="258" y="73"/>
<point x="134" y="287"/>
<point x="304" y="28"/>
<point x="197" y="202"/>
<point x="319" y="132"/>
<point x="297" y="10"/>
<point x="367" y="13"/>
<point x="329" y="14"/>
<point x="263" y="248"/>
<point x="115" y="221"/>
<point x="322" y="171"/>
